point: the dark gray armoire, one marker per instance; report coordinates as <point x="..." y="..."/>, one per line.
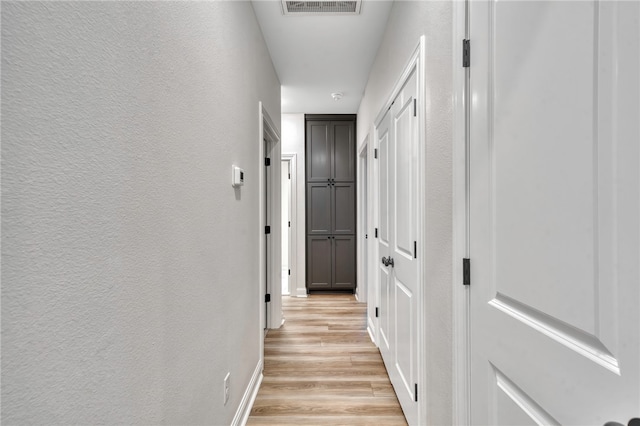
<point x="331" y="202"/>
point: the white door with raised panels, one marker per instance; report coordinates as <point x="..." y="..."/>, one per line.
<point x="398" y="266"/>
<point x="555" y="208"/>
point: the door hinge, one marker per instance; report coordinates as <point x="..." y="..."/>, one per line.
<point x="415" y="108"/>
<point x="267" y="298"/>
<point x="267" y="161"/>
<point x="377" y="312"/>
<point x="289" y="175"/>
<point x="415" y="249"/>
<point x="267" y="229"/>
<point x="466" y="271"/>
<point x="289" y="224"/>
<point x="415" y="393"/>
<point x="375" y="153"/>
<point x="289" y="271"/>
<point x="366" y="236"/>
<point x="376" y="232"/>
<point x="466" y="53"/>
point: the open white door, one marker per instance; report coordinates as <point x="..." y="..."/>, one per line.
<point x="555" y="208"/>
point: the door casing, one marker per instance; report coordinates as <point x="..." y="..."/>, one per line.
<point x="268" y="130"/>
<point x="293" y="259"/>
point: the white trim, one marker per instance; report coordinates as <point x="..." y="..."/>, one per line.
<point x="293" y="251"/>
<point x="417" y="62"/>
<point x="246" y="404"/>
<point x="461" y="298"/>
<point x="423" y="353"/>
<point x="374" y="277"/>
<point x="268" y="129"/>
<point x="260" y="230"/>
<point x="362" y="192"/>
<point x="370" y="331"/>
<point x="416" y="57"/>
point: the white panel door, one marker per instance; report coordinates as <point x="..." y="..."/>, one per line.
<point x="554" y="202"/>
<point x="398" y="234"/>
<point x="386" y="322"/>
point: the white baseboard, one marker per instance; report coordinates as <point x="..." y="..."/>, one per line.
<point x="301" y="292"/>
<point x="249" y="397"/>
<point x="370" y="331"/>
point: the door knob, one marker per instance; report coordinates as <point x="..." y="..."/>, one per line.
<point x="390" y="261"/>
<point x="385" y="262"/>
<point x="633" y="422"/>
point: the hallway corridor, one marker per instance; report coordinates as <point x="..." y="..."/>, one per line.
<point x="321" y="368"/>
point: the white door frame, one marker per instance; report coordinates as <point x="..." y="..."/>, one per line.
<point x="362" y="191"/>
<point x="373" y="300"/>
<point x="267" y="129"/>
<point x="293" y="255"/>
<point x="460" y="293"/>
<point x="416" y="61"/>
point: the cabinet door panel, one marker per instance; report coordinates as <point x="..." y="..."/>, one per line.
<point x="319" y="151"/>
<point x="344" y="148"/>
<point x="344" y="262"/>
<point x="319" y="262"/>
<point x="318" y="208"/>
<point x="343" y="207"/>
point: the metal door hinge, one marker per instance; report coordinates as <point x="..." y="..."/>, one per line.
<point x="289" y="224"/>
<point x="415" y="250"/>
<point x="466" y="53"/>
<point x="267" y="298"/>
<point x="289" y="271"/>
<point x="415" y="108"/>
<point x="415" y="393"/>
<point x="377" y="312"/>
<point x="267" y="161"/>
<point x="466" y="271"/>
<point x="376" y="232"/>
<point x="267" y="229"/>
<point x="289" y="175"/>
<point x="375" y="153"/>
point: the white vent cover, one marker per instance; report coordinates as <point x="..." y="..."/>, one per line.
<point x="321" y="7"/>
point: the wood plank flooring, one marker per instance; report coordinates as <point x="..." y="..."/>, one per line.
<point x="322" y="369"/>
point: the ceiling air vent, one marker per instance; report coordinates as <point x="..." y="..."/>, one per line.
<point x="321" y="7"/>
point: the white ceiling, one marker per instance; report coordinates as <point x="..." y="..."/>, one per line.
<point x="315" y="56"/>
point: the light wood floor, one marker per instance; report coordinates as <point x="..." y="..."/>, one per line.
<point x="322" y="369"/>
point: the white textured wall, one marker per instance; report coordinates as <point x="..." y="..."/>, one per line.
<point x="293" y="143"/>
<point x="408" y="21"/>
<point x="129" y="263"/>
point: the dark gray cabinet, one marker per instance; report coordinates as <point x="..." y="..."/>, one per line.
<point x="331" y="202"/>
<point x="331" y="208"/>
<point x="331" y="151"/>
<point x="319" y="209"/>
<point x="343" y="256"/>
<point x="319" y="261"/>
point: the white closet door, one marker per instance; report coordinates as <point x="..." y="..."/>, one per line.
<point x="555" y="191"/>
<point x="398" y="154"/>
